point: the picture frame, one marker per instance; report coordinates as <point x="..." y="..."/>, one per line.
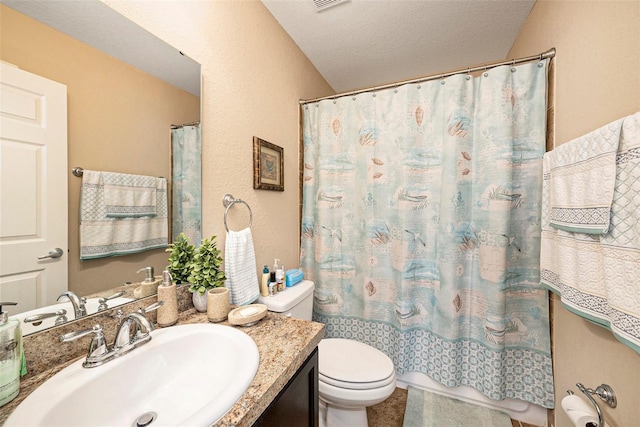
<point x="268" y="165"/>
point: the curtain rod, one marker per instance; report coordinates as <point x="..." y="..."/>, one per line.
<point x="548" y="54"/>
<point x="185" y="124"/>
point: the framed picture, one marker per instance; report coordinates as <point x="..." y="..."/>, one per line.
<point x="268" y="165"/>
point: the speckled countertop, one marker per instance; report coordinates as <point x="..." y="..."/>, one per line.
<point x="284" y="344"/>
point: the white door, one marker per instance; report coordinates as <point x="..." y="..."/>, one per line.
<point x="33" y="189"/>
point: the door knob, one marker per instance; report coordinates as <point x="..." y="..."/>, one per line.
<point x="54" y="253"/>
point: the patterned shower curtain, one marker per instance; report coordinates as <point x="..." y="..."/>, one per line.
<point x="421" y="227"/>
<point x="186" y="150"/>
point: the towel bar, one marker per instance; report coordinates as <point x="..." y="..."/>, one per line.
<point x="228" y="200"/>
<point x="78" y="171"/>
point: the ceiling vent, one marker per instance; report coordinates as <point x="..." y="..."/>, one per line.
<point x="326" y="4"/>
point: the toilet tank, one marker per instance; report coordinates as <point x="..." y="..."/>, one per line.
<point x="296" y="301"/>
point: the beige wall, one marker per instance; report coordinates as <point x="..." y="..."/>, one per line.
<point x="597" y="81"/>
<point x="254" y="75"/>
<point x="118" y="119"/>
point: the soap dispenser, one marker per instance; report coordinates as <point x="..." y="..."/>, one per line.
<point x="149" y="286"/>
<point x="10" y="356"/>
<point x="168" y="312"/>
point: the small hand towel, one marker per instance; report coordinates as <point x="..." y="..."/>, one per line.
<point x="129" y="196"/>
<point x="582" y="180"/>
<point x="240" y="267"/>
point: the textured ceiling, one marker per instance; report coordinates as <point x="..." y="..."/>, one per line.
<point x="96" y="24"/>
<point x="364" y="43"/>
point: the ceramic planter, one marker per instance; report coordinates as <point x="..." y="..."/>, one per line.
<point x="200" y="301"/>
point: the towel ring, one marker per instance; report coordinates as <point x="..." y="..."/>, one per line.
<point x="228" y="200"/>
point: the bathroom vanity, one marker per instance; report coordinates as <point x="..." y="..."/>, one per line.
<point x="283" y="391"/>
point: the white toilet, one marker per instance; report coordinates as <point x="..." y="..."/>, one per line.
<point x="352" y="375"/>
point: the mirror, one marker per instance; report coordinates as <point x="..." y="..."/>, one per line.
<point x="120" y="111"/>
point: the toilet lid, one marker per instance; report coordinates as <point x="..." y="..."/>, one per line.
<point x="352" y="364"/>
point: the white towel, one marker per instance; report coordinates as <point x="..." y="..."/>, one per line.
<point x="240" y="267"/>
<point x="583" y="175"/>
<point x="103" y="236"/>
<point x="129" y="196"/>
<point x="595" y="275"/>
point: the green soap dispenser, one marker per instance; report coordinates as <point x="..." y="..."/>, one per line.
<point x="10" y="356"/>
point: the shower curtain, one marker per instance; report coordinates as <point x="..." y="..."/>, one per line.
<point x="421" y="227"/>
<point x="186" y="152"/>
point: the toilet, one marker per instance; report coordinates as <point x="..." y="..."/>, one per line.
<point x="352" y="375"/>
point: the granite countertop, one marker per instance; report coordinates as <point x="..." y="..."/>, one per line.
<point x="284" y="345"/>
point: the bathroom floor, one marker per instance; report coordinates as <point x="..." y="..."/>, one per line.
<point x="390" y="413"/>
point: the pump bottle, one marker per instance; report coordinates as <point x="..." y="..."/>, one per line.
<point x="168" y="311"/>
<point x="10" y="356"/>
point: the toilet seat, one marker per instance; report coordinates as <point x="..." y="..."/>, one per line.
<point x="356" y="386"/>
<point x="353" y="365"/>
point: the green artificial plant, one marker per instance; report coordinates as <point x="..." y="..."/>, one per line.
<point x="181" y="254"/>
<point x="205" y="272"/>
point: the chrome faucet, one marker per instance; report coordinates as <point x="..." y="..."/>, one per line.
<point x="134" y="330"/>
<point x="77" y="302"/>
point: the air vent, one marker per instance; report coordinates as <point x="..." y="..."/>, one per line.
<point x="326" y="4"/>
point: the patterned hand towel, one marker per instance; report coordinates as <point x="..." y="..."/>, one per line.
<point x="240" y="267"/>
<point x="596" y="276"/>
<point x="104" y="236"/>
<point x="129" y="196"/>
<point x="583" y="173"/>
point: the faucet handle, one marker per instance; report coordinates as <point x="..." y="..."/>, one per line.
<point x="103" y="301"/>
<point x="38" y="318"/>
<point x="98" y="352"/>
<point x="72" y="336"/>
<point x="154" y="306"/>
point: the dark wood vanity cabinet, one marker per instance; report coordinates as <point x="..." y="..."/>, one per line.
<point x="297" y="403"/>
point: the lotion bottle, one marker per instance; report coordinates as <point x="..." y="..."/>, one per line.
<point x="168" y="311"/>
<point x="10" y="356"/>
<point x="264" y="284"/>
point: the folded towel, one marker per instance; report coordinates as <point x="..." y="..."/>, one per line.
<point x="583" y="173"/>
<point x="103" y="236"/>
<point x="240" y="267"/>
<point x="129" y="196"/>
<point x="596" y="276"/>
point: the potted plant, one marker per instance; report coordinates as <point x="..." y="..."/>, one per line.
<point x="181" y="254"/>
<point x="205" y="272"/>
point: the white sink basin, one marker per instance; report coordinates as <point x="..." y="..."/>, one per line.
<point x="91" y="306"/>
<point x="189" y="375"/>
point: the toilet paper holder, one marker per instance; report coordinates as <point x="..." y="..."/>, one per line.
<point x="604" y="392"/>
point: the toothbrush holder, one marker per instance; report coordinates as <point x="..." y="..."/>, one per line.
<point x="218" y="305"/>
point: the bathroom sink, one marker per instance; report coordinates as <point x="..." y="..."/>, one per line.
<point x="91" y="306"/>
<point x="186" y="375"/>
